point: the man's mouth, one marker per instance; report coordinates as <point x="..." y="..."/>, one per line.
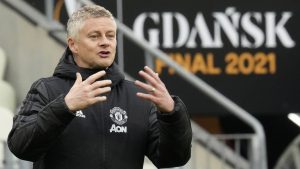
<point x="104" y="54"/>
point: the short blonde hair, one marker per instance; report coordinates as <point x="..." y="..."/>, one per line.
<point x="77" y="19"/>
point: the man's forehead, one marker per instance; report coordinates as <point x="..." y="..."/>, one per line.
<point x="100" y="25"/>
<point x="101" y="20"/>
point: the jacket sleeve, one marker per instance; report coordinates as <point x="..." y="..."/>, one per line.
<point x="170" y="135"/>
<point x="38" y="123"/>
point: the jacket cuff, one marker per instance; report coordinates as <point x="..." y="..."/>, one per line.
<point x="61" y="110"/>
<point x="178" y="112"/>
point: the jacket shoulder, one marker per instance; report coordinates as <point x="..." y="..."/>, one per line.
<point x="51" y="87"/>
<point x="44" y="81"/>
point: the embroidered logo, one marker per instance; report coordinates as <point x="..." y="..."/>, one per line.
<point x="80" y="114"/>
<point x="118" y="115"/>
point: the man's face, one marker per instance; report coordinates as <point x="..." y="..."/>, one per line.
<point x="95" y="46"/>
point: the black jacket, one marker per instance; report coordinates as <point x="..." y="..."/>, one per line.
<point x="115" y="134"/>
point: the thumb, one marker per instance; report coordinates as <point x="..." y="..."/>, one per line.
<point x="78" y="78"/>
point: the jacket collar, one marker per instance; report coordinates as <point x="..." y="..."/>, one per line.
<point x="67" y="68"/>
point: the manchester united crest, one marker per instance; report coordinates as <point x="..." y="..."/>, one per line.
<point x="118" y="115"/>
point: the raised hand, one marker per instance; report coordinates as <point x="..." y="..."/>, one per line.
<point x="87" y="92"/>
<point x="157" y="91"/>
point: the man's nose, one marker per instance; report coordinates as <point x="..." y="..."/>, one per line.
<point x="104" y="41"/>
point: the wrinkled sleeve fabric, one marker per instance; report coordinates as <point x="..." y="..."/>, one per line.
<point x="170" y="135"/>
<point x="38" y="123"/>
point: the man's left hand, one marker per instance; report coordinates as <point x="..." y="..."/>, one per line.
<point x="157" y="91"/>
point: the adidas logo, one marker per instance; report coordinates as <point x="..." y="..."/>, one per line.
<point x="80" y="114"/>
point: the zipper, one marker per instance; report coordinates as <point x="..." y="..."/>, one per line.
<point x="103" y="136"/>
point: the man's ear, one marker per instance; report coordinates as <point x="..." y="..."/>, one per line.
<point x="72" y="45"/>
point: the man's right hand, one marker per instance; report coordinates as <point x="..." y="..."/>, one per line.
<point x="87" y="92"/>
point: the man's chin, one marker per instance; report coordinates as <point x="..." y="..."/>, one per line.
<point x="103" y="65"/>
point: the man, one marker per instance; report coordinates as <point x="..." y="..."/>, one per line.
<point x="86" y="116"/>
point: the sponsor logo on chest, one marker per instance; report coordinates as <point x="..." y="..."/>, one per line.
<point x="119" y="117"/>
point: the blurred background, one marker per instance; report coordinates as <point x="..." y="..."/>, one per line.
<point x="234" y="64"/>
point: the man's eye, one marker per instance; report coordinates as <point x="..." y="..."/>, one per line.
<point x="110" y="36"/>
<point x="93" y="36"/>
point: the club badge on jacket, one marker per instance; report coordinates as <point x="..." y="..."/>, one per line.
<point x="118" y="116"/>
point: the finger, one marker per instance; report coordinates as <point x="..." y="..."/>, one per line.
<point x="152" y="73"/>
<point x="99" y="91"/>
<point x="143" y="85"/>
<point x="147" y="97"/>
<point x="98" y="99"/>
<point x="78" y="78"/>
<point x="148" y="78"/>
<point x="101" y="83"/>
<point x="95" y="76"/>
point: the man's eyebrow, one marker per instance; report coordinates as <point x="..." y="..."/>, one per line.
<point x="111" y="31"/>
<point x="94" y="32"/>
